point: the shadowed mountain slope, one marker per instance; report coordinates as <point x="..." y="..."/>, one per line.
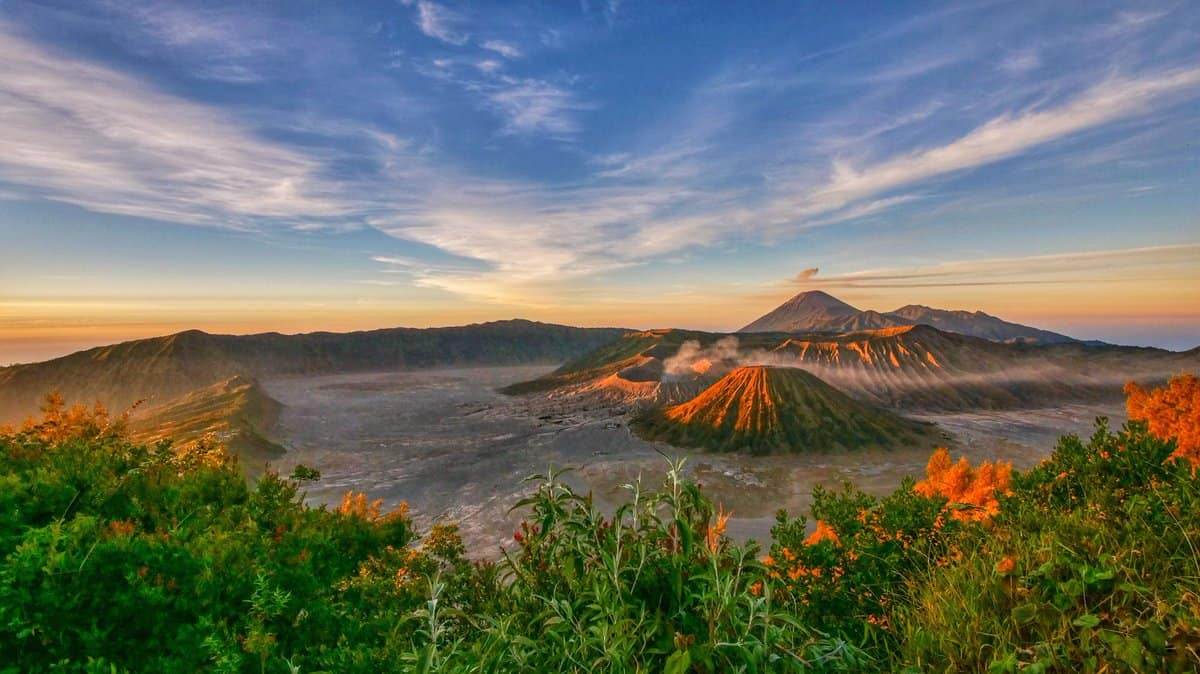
<point x="765" y="409"/>
<point x="634" y="349"/>
<point x="816" y="311"/>
<point x="163" y="368"/>
<point x="976" y="324"/>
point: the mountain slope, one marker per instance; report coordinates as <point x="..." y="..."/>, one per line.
<point x="976" y="324"/>
<point x="162" y="368"/>
<point x="905" y="367"/>
<point x="920" y="367"/>
<point x="816" y="311"/>
<point x="236" y="412"/>
<point x="764" y="409"/>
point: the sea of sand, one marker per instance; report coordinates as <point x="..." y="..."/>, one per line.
<point x="456" y="450"/>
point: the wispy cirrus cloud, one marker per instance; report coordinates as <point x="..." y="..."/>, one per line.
<point x="1021" y="61"/>
<point x="526" y="106"/>
<point x="225" y="44"/>
<point x="90" y="135"/>
<point x="997" y="139"/>
<point x="438" y="22"/>
<point x="506" y="49"/>
<point x="87" y="135"/>
<point x="1120" y="265"/>
<point x="531" y="106"/>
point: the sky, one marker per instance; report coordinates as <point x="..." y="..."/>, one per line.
<point x="289" y="166"/>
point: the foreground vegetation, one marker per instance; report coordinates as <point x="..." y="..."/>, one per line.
<point x="122" y="556"/>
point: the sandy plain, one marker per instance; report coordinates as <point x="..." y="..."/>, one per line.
<point x="456" y="450"/>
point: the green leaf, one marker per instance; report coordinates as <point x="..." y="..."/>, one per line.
<point x="1131" y="652"/>
<point x="1086" y="620"/>
<point x="1092" y="575"/>
<point x="1156" y="638"/>
<point x="1003" y="665"/>
<point x="678" y="663"/>
<point x="1072" y="588"/>
<point x="1025" y="613"/>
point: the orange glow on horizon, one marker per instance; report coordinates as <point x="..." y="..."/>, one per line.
<point x="37" y="328"/>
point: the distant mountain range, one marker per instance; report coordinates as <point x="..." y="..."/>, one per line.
<point x="909" y="367"/>
<point x="818" y="353"/>
<point x="161" y="369"/>
<point x="817" y="311"/>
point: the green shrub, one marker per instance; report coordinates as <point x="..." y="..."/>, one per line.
<point x="125" y="557"/>
<point x="1091" y="565"/>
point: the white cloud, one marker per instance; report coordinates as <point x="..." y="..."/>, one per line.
<point x="439" y="23"/>
<point x="642" y="206"/>
<point x="1021" y="61"/>
<point x="997" y="139"/>
<point x="535" y="106"/>
<point x="86" y="135"/>
<point x="489" y="66"/>
<point x="1109" y="265"/>
<point x="224" y="44"/>
<point x="506" y="49"/>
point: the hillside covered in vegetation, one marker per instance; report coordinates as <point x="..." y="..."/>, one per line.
<point x="124" y="556"/>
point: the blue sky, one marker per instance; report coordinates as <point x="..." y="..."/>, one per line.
<point x="297" y="166"/>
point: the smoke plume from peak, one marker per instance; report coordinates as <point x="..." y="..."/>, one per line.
<point x="693" y="359"/>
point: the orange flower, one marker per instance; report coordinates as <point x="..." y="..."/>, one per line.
<point x="121" y="528"/>
<point x="716" y="530"/>
<point x="355" y="504"/>
<point x="1170" y="412"/>
<point x="878" y="621"/>
<point x="60" y="422"/>
<point x="401" y="577"/>
<point x="756" y="589"/>
<point x="959" y="484"/>
<point x="1006" y="566"/>
<point x="823" y="532"/>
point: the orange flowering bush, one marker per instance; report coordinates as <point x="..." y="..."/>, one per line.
<point x="841" y="576"/>
<point x="1090" y="565"/>
<point x="355" y="504"/>
<point x="972" y="492"/>
<point x="60" y="422"/>
<point x="823" y="532"/>
<point x="1171" y="412"/>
